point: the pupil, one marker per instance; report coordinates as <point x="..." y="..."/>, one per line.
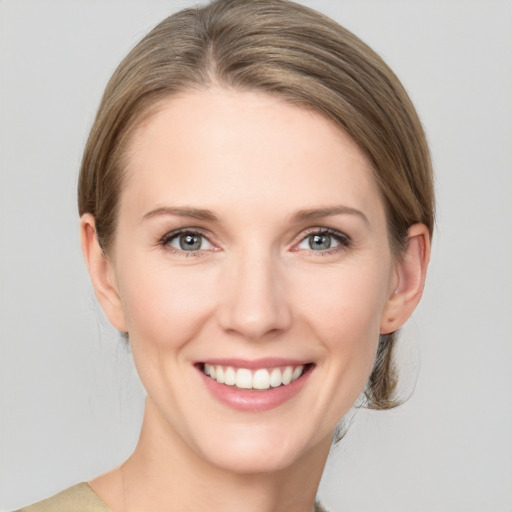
<point x="190" y="242"/>
<point x="320" y="242"/>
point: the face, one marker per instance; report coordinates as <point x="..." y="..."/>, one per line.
<point x="251" y="246"/>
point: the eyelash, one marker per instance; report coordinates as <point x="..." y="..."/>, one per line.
<point x="166" y="240"/>
<point x="344" y="241"/>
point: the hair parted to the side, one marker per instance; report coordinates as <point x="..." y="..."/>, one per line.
<point x="284" y="49"/>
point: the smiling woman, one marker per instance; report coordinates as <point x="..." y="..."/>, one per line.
<point x="256" y="213"/>
<point x="250" y="278"/>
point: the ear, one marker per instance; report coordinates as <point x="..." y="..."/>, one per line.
<point x="102" y="273"/>
<point x="411" y="270"/>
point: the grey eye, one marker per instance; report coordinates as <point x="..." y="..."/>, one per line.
<point x="190" y="242"/>
<point x="320" y="241"/>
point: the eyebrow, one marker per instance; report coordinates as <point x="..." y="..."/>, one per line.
<point x="315" y="213"/>
<point x="300" y="216"/>
<point x="194" y="213"/>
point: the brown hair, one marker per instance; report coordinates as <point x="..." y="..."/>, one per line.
<point x="284" y="49"/>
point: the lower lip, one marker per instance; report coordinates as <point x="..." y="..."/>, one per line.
<point x="254" y="400"/>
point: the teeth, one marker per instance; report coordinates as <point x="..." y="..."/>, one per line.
<point x="297" y="372"/>
<point x="219" y="374"/>
<point x="230" y="376"/>
<point x="259" y="379"/>
<point x="276" y="378"/>
<point x="243" y="378"/>
<point x="287" y="375"/>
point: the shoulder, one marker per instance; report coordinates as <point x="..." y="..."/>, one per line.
<point x="79" y="498"/>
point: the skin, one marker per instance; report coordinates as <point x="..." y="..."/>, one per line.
<point x="255" y="288"/>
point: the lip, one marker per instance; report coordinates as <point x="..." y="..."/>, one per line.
<point x="254" y="364"/>
<point x="254" y="400"/>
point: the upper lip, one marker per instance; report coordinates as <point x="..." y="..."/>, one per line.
<point x="265" y="362"/>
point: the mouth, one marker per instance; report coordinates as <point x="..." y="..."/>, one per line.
<point x="254" y="385"/>
<point x="258" y="379"/>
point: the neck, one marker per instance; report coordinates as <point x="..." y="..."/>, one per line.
<point x="164" y="474"/>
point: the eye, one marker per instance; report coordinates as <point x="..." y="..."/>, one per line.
<point x="323" y="240"/>
<point x="188" y="241"/>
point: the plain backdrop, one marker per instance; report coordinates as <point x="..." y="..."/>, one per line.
<point x="70" y="402"/>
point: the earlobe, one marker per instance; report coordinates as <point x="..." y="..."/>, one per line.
<point x="411" y="272"/>
<point x="102" y="273"/>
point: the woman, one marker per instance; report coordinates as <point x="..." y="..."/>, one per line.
<point x="256" y="212"/>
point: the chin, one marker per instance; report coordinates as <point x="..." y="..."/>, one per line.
<point x="260" y="451"/>
<point x="253" y="463"/>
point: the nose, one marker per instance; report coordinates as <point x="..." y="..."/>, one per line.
<point x="254" y="302"/>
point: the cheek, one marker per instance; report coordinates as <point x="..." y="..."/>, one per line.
<point x="345" y="318"/>
<point x="344" y="302"/>
<point x="343" y="311"/>
<point x="165" y="306"/>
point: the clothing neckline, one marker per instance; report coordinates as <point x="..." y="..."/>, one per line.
<point x="316" y="507"/>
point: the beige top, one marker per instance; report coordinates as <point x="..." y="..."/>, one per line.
<point x="81" y="498"/>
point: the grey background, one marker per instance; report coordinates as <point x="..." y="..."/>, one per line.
<point x="70" y="402"/>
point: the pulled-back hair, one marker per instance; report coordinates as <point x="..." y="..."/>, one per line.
<point x="297" y="54"/>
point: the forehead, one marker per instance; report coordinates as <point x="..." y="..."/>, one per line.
<point x="247" y="148"/>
